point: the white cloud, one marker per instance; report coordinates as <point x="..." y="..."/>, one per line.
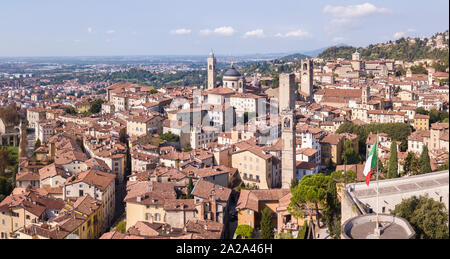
<point x="90" y="30"/>
<point x="293" y="34"/>
<point x="182" y="31"/>
<point x="222" y="31"/>
<point x="258" y="33"/>
<point x="348" y="17"/>
<point x="110" y="31"/>
<point x="338" y="39"/>
<point x="399" y="35"/>
<point x="225" y="31"/>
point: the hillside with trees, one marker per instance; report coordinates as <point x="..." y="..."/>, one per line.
<point x="406" y="49"/>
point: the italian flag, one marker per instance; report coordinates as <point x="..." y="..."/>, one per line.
<point x="371" y="163"/>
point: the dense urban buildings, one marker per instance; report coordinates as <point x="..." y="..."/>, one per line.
<point x="229" y="148"/>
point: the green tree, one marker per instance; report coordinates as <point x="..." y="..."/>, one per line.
<point x="443" y="167"/>
<point x="169" y="137"/>
<point x="311" y="189"/>
<point x="188" y="149"/>
<point x="189" y="188"/>
<point x="428" y="217"/>
<point x="332" y="210"/>
<point x="71" y="111"/>
<point x="425" y="164"/>
<point x="5" y="187"/>
<point x="244" y="231"/>
<point x="349" y="155"/>
<point x="393" y="161"/>
<point x="422" y="111"/>
<point x="37" y="144"/>
<point x="266" y="224"/>
<point x="294" y="183"/>
<point x="4" y="160"/>
<point x="121" y="227"/>
<point x="345" y="178"/>
<point x="411" y="164"/>
<point x="96" y="106"/>
<point x="303" y="231"/>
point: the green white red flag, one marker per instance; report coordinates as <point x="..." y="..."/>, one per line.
<point x="371" y="162"/>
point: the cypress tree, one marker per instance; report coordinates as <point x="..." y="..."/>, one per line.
<point x="189" y="188"/>
<point x="425" y="165"/>
<point x="266" y="224"/>
<point x="332" y="208"/>
<point x="393" y="161"/>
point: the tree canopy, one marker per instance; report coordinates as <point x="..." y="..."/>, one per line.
<point x="266" y="224"/>
<point x="9" y="114"/>
<point x="311" y="189"/>
<point x="96" y="106"/>
<point x="244" y="231"/>
<point x="428" y="217"/>
<point x="393" y="161"/>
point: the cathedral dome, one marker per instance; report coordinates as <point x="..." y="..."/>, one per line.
<point x="232" y="72"/>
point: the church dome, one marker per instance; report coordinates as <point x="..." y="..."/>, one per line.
<point x="232" y="72"/>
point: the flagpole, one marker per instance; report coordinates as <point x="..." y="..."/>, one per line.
<point x="377" y="229"/>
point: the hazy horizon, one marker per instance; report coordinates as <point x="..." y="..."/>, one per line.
<point x="51" y="28"/>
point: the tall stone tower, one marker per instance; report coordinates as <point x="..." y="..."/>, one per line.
<point x="287" y="92"/>
<point x="212" y="72"/>
<point x="356" y="61"/>
<point x="287" y="107"/>
<point x="388" y="90"/>
<point x="307" y="78"/>
<point x="288" y="156"/>
<point x="365" y="95"/>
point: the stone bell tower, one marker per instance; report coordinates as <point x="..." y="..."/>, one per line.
<point x="212" y="72"/>
<point x="307" y="78"/>
<point x="288" y="155"/>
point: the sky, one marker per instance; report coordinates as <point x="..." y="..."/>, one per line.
<point x="194" y="27"/>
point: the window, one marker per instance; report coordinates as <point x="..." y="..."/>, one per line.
<point x="157" y="217"/>
<point x="148" y="216"/>
<point x="249" y="212"/>
<point x="3" y="222"/>
<point x="384" y="210"/>
<point x="81" y="193"/>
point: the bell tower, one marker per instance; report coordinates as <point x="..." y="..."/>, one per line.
<point x="307" y="78"/>
<point x="288" y="155"/>
<point x="212" y="72"/>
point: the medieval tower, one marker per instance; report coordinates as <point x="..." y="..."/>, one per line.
<point x="287" y="92"/>
<point x="212" y="74"/>
<point x="365" y="95"/>
<point x="287" y="107"/>
<point x="288" y="156"/>
<point x="307" y="78"/>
